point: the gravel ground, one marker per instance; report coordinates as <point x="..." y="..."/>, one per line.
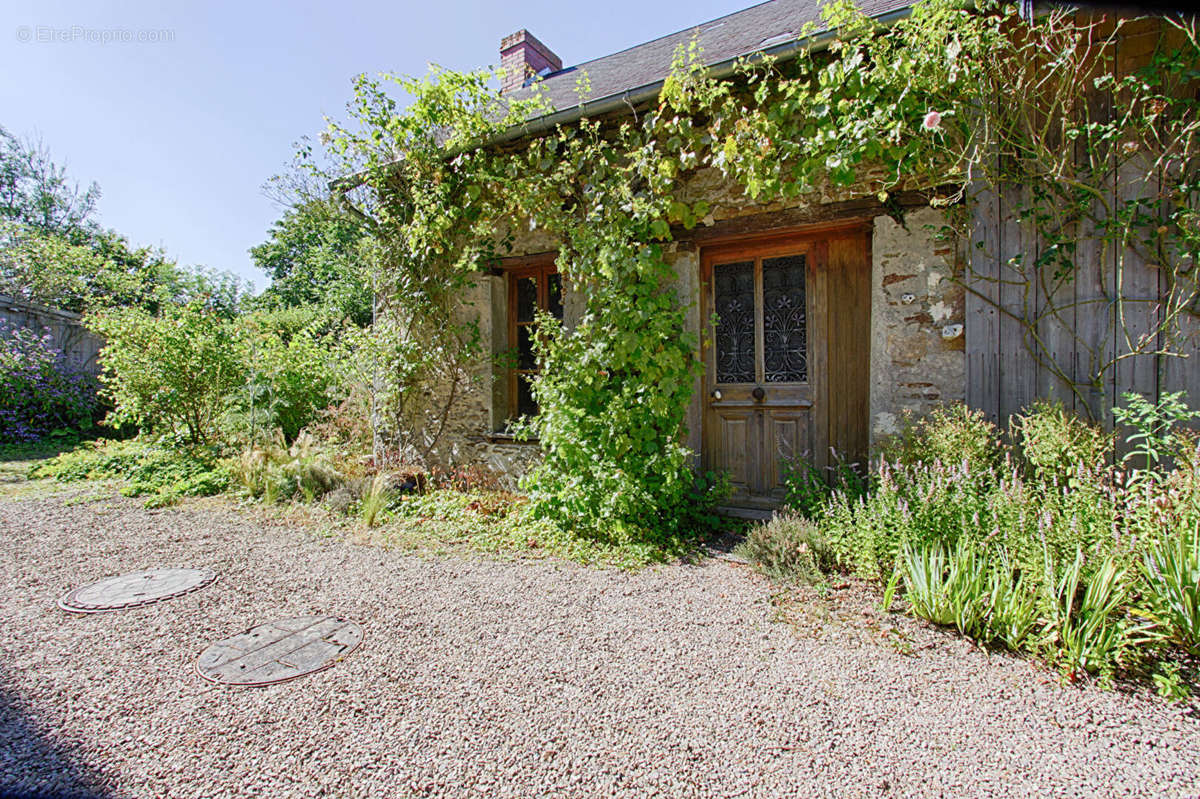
<point x="529" y="678"/>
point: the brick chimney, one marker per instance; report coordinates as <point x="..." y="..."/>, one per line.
<point x="522" y="56"/>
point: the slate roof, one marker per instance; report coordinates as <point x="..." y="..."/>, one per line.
<point x="756" y="28"/>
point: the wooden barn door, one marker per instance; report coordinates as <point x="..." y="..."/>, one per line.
<point x="772" y="393"/>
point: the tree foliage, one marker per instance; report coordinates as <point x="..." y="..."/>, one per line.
<point x="35" y="191"/>
<point x="312" y="257"/>
<point x="53" y="252"/>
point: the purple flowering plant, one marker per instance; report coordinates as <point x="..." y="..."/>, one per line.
<point x="40" y="390"/>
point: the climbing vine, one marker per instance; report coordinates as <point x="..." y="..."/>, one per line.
<point x="948" y="99"/>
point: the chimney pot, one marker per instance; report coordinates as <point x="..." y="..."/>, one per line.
<point x="522" y="56"/>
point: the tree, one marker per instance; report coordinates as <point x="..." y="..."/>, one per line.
<point x="312" y="256"/>
<point x="35" y="191"/>
<point x="103" y="271"/>
<point x="53" y="252"/>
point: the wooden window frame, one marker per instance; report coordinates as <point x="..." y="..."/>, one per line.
<point x="756" y="256"/>
<point x="541" y="267"/>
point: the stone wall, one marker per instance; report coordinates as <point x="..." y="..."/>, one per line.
<point x="474" y="433"/>
<point x="918" y="356"/>
<point x="685" y="258"/>
<point x="80" y="346"/>
<point x="917" y="349"/>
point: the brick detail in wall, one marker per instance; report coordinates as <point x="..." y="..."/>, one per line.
<point x="522" y="56"/>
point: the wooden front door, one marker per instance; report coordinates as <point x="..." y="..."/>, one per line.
<point x="767" y="357"/>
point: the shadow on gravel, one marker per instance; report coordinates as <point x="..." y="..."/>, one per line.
<point x="32" y="766"/>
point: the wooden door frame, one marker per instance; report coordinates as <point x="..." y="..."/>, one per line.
<point x="813" y="240"/>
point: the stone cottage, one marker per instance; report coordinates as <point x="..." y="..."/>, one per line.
<point x="832" y="318"/>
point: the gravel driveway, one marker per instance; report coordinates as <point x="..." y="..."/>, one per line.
<point x="529" y="678"/>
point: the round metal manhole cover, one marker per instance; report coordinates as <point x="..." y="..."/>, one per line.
<point x="279" y="651"/>
<point x="132" y="590"/>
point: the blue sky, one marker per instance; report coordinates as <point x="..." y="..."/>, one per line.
<point x="181" y="133"/>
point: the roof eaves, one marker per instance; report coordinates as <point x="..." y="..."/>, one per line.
<point x="630" y="98"/>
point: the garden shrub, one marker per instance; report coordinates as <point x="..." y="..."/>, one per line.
<point x="172" y="372"/>
<point x="951" y="434"/>
<point x="789" y="547"/>
<point x="1152" y="426"/>
<point x="809" y="488"/>
<point x="1016" y="498"/>
<point x="40" y="391"/>
<point x="289" y="365"/>
<point x="1055" y="444"/>
<point x="1039" y="543"/>
<point x="613" y="394"/>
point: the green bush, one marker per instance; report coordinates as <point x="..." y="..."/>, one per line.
<point x="171" y="372"/>
<point x="290" y="373"/>
<point x="613" y="396"/>
<point x="1038" y="542"/>
<point x="788" y="548"/>
<point x="951" y="434"/>
<point x="198" y="376"/>
<point x="809" y="488"/>
<point x="1152" y="426"/>
<point x="1057" y="446"/>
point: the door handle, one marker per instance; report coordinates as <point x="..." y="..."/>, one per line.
<point x="758" y="393"/>
<point x="716" y="393"/>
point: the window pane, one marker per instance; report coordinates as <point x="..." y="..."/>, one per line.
<point x="733" y="293"/>
<point x="554" y="295"/>
<point x="526" y="298"/>
<point x="525" y="357"/>
<point x="526" y="406"/>
<point x="785" y="320"/>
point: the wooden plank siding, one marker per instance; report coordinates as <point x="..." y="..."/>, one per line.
<point x="1110" y="306"/>
<point x="848" y="289"/>
<point x="982" y="320"/>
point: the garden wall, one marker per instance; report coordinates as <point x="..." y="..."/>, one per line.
<point x="80" y="346"/>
